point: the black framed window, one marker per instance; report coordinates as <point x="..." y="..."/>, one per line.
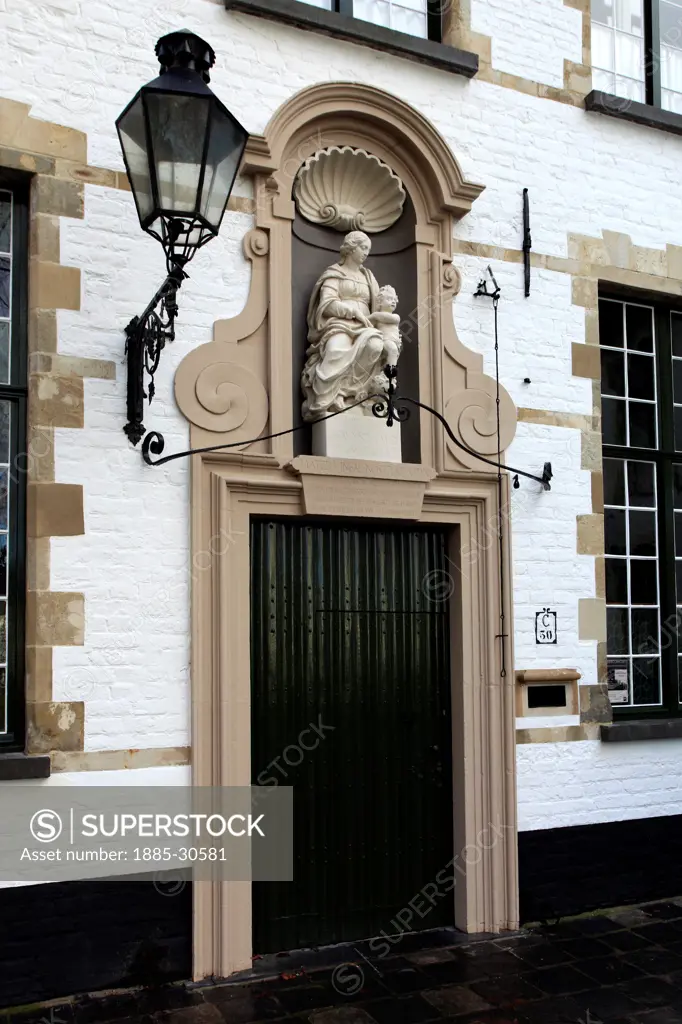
<point x="637" y="50"/>
<point x="13" y="401"/>
<point x="641" y="366"/>
<point x="420" y="18"/>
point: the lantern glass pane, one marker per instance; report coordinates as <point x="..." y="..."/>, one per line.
<point x="133" y="137"/>
<point x="177" y="126"/>
<point x="224" y="152"/>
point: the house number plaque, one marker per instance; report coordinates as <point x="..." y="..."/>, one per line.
<point x="545" y="627"/>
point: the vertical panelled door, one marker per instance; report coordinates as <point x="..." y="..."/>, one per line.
<point x="351" y="707"/>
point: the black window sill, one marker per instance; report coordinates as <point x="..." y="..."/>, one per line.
<point x="341" y="26"/>
<point x="24" y="766"/>
<point x="639" y="113"/>
<point x="654" y="729"/>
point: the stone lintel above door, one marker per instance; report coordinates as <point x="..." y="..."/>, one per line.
<point x="361" y="488"/>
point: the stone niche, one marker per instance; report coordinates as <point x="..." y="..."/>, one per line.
<point x="393" y="260"/>
<point x="245" y="384"/>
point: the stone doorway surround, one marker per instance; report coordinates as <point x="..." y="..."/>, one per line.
<point x="239" y="386"/>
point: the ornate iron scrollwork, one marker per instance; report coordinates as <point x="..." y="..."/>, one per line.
<point x="146" y="338"/>
<point x="385" y="406"/>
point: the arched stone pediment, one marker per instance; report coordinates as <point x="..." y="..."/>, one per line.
<point x="351" y="109"/>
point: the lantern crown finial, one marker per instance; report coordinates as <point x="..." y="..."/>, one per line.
<point x="184" y="50"/>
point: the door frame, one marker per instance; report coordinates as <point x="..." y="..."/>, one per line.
<point x="228" y="489"/>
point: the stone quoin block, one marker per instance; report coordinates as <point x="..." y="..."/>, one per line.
<point x="54" y="726"/>
<point x="586" y="361"/>
<point x="54" y="510"/>
<point x="55" y="618"/>
<point x="56" y="401"/>
<point x="57" y="197"/>
<point x="53" y="286"/>
<point x="38" y="674"/>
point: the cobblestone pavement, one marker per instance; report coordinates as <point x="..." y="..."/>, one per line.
<point x="620" y="967"/>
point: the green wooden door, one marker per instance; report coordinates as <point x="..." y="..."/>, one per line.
<point x="351" y="706"/>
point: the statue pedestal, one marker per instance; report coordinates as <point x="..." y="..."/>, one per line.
<point x="357" y="434"/>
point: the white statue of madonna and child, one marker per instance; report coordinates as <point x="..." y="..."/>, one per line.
<point x="353" y="333"/>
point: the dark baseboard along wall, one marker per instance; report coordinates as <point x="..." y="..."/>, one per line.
<point x="66" y="938"/>
<point x="566" y="871"/>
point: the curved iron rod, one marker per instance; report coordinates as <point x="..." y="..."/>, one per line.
<point x="544" y="479"/>
<point x="154" y="442"/>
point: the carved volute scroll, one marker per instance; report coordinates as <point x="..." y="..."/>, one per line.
<point x="470" y="403"/>
<point x="234" y="387"/>
<point x="219" y="387"/>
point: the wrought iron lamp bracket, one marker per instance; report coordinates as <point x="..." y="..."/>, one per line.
<point x="146" y="338"/>
<point x="389" y="406"/>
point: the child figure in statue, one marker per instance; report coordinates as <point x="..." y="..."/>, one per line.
<point x="388" y="322"/>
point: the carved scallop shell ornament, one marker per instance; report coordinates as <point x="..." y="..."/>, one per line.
<point x="349" y="189"/>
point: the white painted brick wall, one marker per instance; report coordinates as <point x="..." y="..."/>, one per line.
<point x="531" y="43"/>
<point x="78" y="62"/>
<point x="561" y="784"/>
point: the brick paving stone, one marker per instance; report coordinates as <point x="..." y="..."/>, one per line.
<point x="484" y="957"/>
<point x="610" y="970"/>
<point x="407" y="980"/>
<point x="655" y="961"/>
<point x="559" y="981"/>
<point x="204" y="1013"/>
<point x="430" y="956"/>
<point x="624" y="941"/>
<point x="550" y="1011"/>
<point x="660" y="1016"/>
<point x="584" y="948"/>
<point x="244" y="1006"/>
<point x="460" y="970"/>
<point x="650" y="992"/>
<point x="342" y="1015"/>
<point x="605" y="1004"/>
<point x="391" y="963"/>
<point x="455" y="999"/>
<point x="362" y="982"/>
<point x="545" y="955"/>
<point x="629" y="917"/>
<point x="660" y="933"/>
<point x="486" y="1017"/>
<point x="309" y="998"/>
<point x="507" y="990"/>
<point x="598" y="925"/>
<point x="409" y="1010"/>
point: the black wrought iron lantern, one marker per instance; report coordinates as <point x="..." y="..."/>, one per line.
<point x="182" y="148"/>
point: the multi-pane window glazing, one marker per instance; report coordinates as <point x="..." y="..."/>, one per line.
<point x="618" y="47"/>
<point x="641" y="366"/>
<point x="409" y="16"/>
<point x="637" y="50"/>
